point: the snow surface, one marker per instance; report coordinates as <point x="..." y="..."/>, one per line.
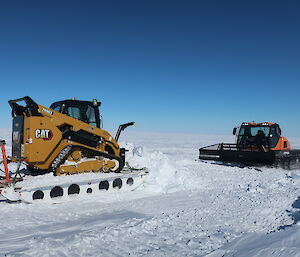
<point x="184" y="208"/>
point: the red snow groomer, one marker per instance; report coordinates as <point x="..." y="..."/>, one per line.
<point x="256" y="143"/>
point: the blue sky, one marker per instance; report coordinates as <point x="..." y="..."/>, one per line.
<point x="171" y="66"/>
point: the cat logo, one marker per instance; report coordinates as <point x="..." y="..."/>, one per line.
<point x="45" y="134"/>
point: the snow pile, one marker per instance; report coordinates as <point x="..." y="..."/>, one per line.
<point x="163" y="176"/>
<point x="166" y="174"/>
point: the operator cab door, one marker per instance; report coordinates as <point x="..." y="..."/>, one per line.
<point x="275" y="134"/>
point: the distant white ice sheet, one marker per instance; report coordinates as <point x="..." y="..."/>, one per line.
<point x="183" y="208"/>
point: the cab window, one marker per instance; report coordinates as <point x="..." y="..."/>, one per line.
<point x="55" y="107"/>
<point x="74" y="112"/>
<point x="91" y="117"/>
<point x="84" y="113"/>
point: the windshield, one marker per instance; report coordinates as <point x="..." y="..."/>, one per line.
<point x="253" y="131"/>
<point x="248" y="133"/>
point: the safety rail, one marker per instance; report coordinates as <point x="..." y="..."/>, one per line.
<point x="235" y="147"/>
<point x="4" y="157"/>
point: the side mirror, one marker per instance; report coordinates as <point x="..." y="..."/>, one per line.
<point x="234" y="131"/>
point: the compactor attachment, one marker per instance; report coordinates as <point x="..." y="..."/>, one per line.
<point x="236" y="153"/>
